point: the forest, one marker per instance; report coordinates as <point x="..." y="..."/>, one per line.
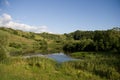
<point x="98" y="51"/>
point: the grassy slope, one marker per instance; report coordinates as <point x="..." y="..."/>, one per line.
<point x="54" y="42"/>
<point x="18" y="40"/>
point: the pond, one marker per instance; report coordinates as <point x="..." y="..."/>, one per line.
<point x="59" y="57"/>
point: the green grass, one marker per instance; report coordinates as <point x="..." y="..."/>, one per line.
<point x="104" y="64"/>
<point x="41" y="69"/>
<point x="93" y="66"/>
<point x="32" y="45"/>
<point x="54" y="47"/>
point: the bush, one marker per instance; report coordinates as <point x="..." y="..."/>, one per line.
<point x="82" y="45"/>
<point x="3" y="54"/>
<point x="15" y="45"/>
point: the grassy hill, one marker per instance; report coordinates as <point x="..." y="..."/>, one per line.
<point x="27" y="42"/>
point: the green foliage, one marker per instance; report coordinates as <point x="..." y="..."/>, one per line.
<point x="94" y="41"/>
<point x="41" y="68"/>
<point x="106" y="65"/>
<point x="91" y="66"/>
<point x="82" y="45"/>
<point x="3" y="45"/>
<point x="79" y="35"/>
<point x="29" y="42"/>
<point x="108" y="40"/>
<point x="3" y="54"/>
<point x="15" y="45"/>
<point x="29" y="35"/>
<point x="41" y="46"/>
<point x="50" y="36"/>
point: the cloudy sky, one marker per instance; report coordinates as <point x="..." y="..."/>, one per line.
<point x="59" y="16"/>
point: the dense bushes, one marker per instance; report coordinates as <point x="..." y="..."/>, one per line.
<point x="105" y="65"/>
<point x="95" y="41"/>
<point x="18" y="48"/>
<point x="82" y="45"/>
<point x="15" y="45"/>
<point x="40" y="45"/>
<point x="3" y="54"/>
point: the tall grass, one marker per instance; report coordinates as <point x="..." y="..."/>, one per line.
<point x="92" y="66"/>
<point x="104" y="65"/>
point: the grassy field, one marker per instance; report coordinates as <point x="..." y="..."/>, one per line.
<point x="91" y="66"/>
<point x="104" y="64"/>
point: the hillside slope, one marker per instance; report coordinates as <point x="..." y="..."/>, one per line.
<point x="27" y="42"/>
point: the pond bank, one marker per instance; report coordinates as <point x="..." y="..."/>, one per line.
<point x="59" y="57"/>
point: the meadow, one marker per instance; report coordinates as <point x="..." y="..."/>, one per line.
<point x="99" y="56"/>
<point x="91" y="66"/>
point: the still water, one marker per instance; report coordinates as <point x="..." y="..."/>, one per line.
<point x="59" y="57"/>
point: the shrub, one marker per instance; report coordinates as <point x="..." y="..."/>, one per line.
<point x="3" y="54"/>
<point x="15" y="45"/>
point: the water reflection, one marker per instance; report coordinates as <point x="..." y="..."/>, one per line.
<point x="59" y="57"/>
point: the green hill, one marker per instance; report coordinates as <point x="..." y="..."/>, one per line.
<point x="27" y="42"/>
<point x="21" y="42"/>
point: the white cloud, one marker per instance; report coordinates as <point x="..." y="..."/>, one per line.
<point x="6" y="21"/>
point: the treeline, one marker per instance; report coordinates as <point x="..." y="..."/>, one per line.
<point x="21" y="42"/>
<point x="108" y="40"/>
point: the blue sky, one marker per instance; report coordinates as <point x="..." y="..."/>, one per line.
<point x="63" y="16"/>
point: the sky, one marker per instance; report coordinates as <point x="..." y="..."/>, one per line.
<point x="59" y="16"/>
